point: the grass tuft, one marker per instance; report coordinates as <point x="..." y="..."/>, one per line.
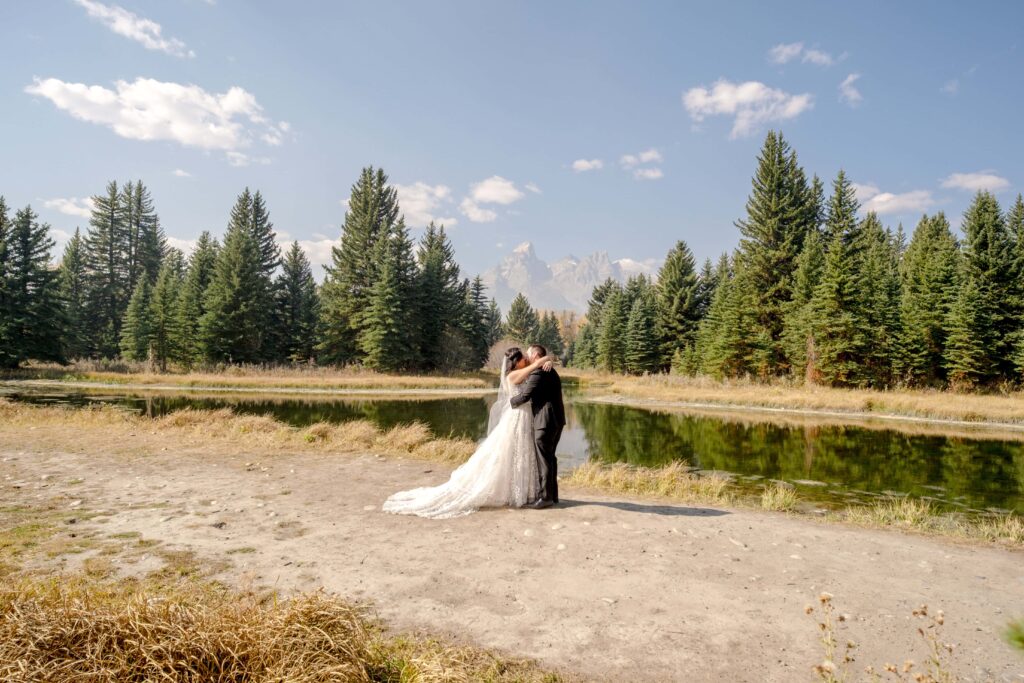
<point x="671" y="481"/>
<point x="778" y="496"/>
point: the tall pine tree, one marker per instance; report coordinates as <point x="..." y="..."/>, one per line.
<point x="440" y="296"/>
<point x="137" y="329"/>
<point x="297" y="306"/>
<point x="73" y="291"/>
<point x="192" y="299"/>
<point x="107" y="248"/>
<point x="522" y="323"/>
<point x="678" y="302"/>
<point x="163" y="315"/>
<point x="146" y="243"/>
<point x="643" y="352"/>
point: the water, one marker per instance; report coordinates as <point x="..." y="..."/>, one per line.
<point x="830" y="464"/>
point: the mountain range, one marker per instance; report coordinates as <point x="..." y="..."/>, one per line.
<point x="565" y="284"/>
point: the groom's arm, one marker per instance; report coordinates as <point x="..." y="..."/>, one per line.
<point x="528" y="388"/>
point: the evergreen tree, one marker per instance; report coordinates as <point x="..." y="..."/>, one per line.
<point x="840" y="336"/>
<point x="383" y="340"/>
<point x="841" y="211"/>
<point x="191" y="300"/>
<point x="879" y="292"/>
<point x="798" y="326"/>
<point x="549" y="336"/>
<point x="643" y="353"/>
<point x="706" y="283"/>
<point x="33" y="320"/>
<point x="990" y="263"/>
<point x="929" y="274"/>
<point x="779" y="210"/>
<point x="678" y="302"/>
<point x="724" y="337"/>
<point x="495" y="327"/>
<point x="597" y="300"/>
<point x="439" y="290"/>
<point x="611" y="335"/>
<point x="233" y="327"/>
<point x="475" y="324"/>
<point x="106" y="255"/>
<point x="584" y="348"/>
<point x="966" y="358"/>
<point x="372" y="213"/>
<point x="146" y="243"/>
<point x="163" y="314"/>
<point x="522" y="324"/>
<point x="137" y="330"/>
<point x="264" y="236"/>
<point x="73" y="288"/>
<point x="297" y="306"/>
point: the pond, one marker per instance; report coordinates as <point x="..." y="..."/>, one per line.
<point x="828" y="463"/>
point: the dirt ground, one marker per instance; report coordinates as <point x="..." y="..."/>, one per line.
<point x="608" y="589"/>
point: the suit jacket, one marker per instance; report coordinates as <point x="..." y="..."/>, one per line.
<point x="544" y="392"/>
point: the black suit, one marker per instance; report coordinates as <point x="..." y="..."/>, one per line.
<point x="544" y="392"/>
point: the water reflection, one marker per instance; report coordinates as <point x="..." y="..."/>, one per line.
<point x="828" y="462"/>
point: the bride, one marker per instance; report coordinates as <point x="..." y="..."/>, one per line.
<point x="503" y="470"/>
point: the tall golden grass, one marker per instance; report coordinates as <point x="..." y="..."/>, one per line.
<point x="287" y="376"/>
<point x="674" y="481"/>
<point x="82" y="630"/>
<point x="929" y="404"/>
<point x="233" y="430"/>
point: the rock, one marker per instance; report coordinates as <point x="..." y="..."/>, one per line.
<point x="528" y="532"/>
<point x="560" y="546"/>
<point x="556" y="527"/>
<point x="75" y="503"/>
<point x="795" y="557"/>
<point x="739" y="543"/>
<point x="610" y="601"/>
<point x="219" y="525"/>
<point x="367" y="508"/>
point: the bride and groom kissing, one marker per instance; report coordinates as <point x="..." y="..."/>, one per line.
<point x="515" y="466"/>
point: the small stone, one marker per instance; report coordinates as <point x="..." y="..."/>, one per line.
<point x="560" y="546"/>
<point x="556" y="527"/>
<point x="528" y="532"/>
<point x="271" y="514"/>
<point x="165" y="519"/>
<point x="367" y="508"/>
<point x="795" y="557"/>
<point x="739" y="543"/>
<point x="219" y="525"/>
<point x="610" y="601"/>
<point x="75" y="503"/>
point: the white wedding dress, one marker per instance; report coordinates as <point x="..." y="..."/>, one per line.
<point x="501" y="473"/>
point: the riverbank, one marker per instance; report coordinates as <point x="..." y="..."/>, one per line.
<point x="1006" y="410"/>
<point x="612" y="587"/>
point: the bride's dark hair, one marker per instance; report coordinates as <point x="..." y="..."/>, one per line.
<point x="512" y="356"/>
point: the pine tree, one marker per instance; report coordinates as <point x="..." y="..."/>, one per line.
<point x="967" y="360"/>
<point x="879" y="293"/>
<point x="264" y="236"/>
<point x="841" y="211"/>
<point x="383" y="339"/>
<point x="611" y="335"/>
<point x="474" y="324"/>
<point x="584" y="348"/>
<point x="929" y="274"/>
<point x="549" y="336"/>
<point x="233" y="327"/>
<point x="191" y="301"/>
<point x="495" y="326"/>
<point x="137" y="329"/>
<point x="106" y="255"/>
<point x="297" y="306"/>
<point x="73" y="288"/>
<point x="146" y="243"/>
<point x="989" y="261"/>
<point x="798" y="327"/>
<point x="643" y="353"/>
<point x="439" y="290"/>
<point x="724" y="337"/>
<point x="840" y="336"/>
<point x="522" y="323"/>
<point x="706" y="283"/>
<point x="678" y="302"/>
<point x="33" y="320"/>
<point x="163" y="315"/>
<point x="779" y="209"/>
<point x="597" y="300"/>
<point x="373" y="212"/>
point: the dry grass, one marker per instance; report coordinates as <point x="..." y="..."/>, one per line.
<point x="930" y="404"/>
<point x="236" y="431"/>
<point x="293" y="377"/>
<point x="910" y="514"/>
<point x="674" y="481"/>
<point x="86" y="630"/>
<point x="778" y="496"/>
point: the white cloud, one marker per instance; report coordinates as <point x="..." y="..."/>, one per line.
<point x="848" y="91"/>
<point x="973" y="182"/>
<point x="420" y="203"/>
<point x="818" y="57"/>
<point x="784" y="53"/>
<point x="645" y="157"/>
<point x="647" y="173"/>
<point x="71" y="206"/>
<point x="345" y="202"/>
<point x="240" y="159"/>
<point x="185" y="246"/>
<point x="475" y="213"/>
<point x="532" y="187"/>
<point x="147" y="109"/>
<point x="130" y="25"/>
<point x="752" y="104"/>
<point x="495" y="190"/>
<point x="883" y="203"/>
<point x="581" y="165"/>
<point x="181" y="173"/>
<point x="950" y="87"/>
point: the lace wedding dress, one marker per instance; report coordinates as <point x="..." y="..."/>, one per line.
<point x="501" y="473"/>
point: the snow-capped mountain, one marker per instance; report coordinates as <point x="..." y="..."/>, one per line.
<point x="563" y="285"/>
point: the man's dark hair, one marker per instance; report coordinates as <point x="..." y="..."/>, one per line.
<point x="539" y="348"/>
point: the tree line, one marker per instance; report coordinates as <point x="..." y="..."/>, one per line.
<point x="817" y="293"/>
<point x="121" y="291"/>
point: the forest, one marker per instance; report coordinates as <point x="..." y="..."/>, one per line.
<point x="818" y="294"/>
<point x="814" y="293"/>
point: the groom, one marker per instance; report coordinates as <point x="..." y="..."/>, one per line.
<point x="543" y="389"/>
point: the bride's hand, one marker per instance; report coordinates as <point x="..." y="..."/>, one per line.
<point x="549" y="363"/>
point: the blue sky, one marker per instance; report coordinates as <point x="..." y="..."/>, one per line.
<point x="579" y="126"/>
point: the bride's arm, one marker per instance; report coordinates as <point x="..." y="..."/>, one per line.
<point x="519" y="376"/>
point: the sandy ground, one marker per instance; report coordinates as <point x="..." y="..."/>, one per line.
<point x="608" y="589"/>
